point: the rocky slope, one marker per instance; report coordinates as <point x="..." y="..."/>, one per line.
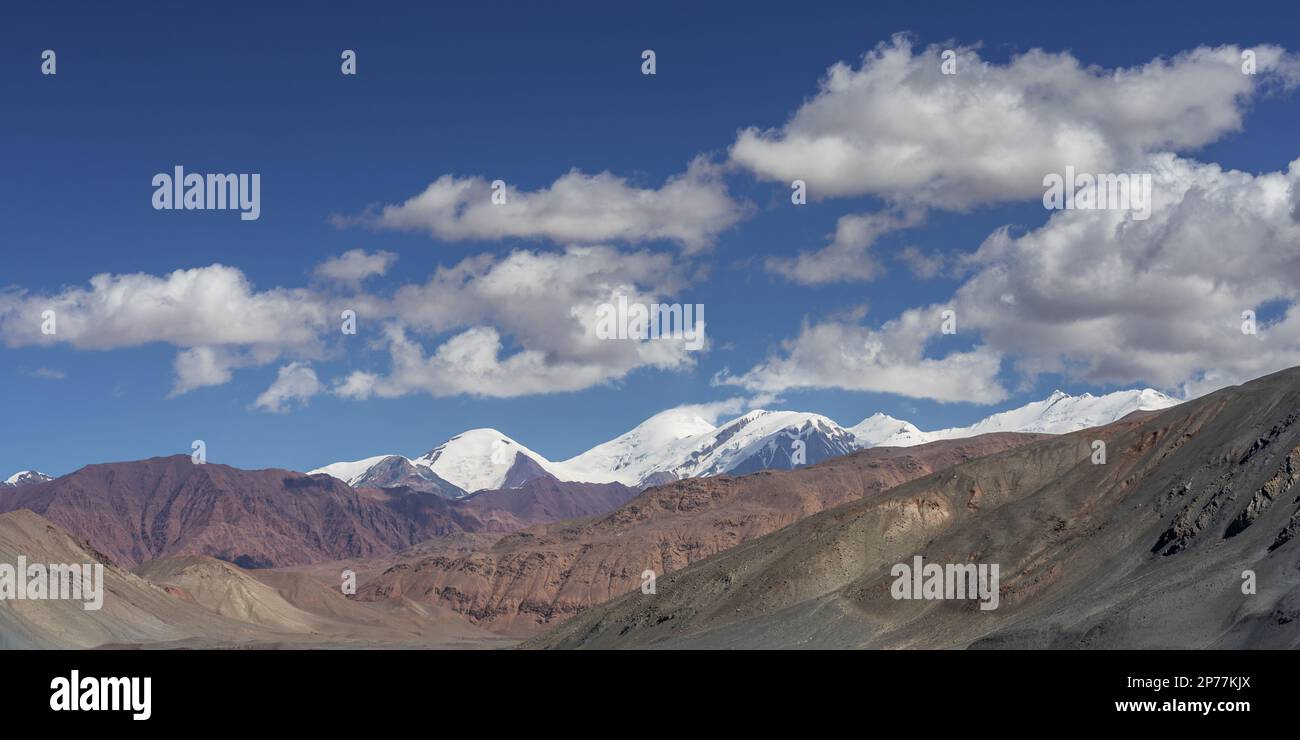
<point x="1184" y="538"/>
<point x="537" y="577"/>
<point x="164" y="507"/>
<point x="199" y="602"/>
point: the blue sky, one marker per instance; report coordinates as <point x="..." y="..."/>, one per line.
<point x="525" y="92"/>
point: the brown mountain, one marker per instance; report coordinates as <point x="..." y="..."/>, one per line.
<point x="1186" y="537"/>
<point x="544" y="498"/>
<point x="200" y="602"/>
<point x="166" y="506"/>
<point x="396" y="471"/>
<point x="537" y="577"/>
<point x="135" y="512"/>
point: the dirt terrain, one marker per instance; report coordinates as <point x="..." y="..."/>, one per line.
<point x="198" y="601"/>
<point x="1150" y="550"/>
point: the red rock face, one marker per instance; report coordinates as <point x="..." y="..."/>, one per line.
<point x="138" y="511"/>
<point x="135" y="512"/>
<point x="540" y="576"/>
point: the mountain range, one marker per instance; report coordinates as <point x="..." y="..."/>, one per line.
<point x="532" y="579"/>
<point x="1182" y="535"/>
<point x="678" y="443"/>
<point x="135" y="512"/>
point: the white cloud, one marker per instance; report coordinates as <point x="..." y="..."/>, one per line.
<point x="214" y="314"/>
<point x="892" y="359"/>
<point x="470" y="363"/>
<point x="522" y="324"/>
<point x="899" y="128"/>
<point x="713" y="411"/>
<point x="355" y="265"/>
<point x="498" y="326"/>
<point x="200" y="367"/>
<point x="204" y="306"/>
<point x="846" y="258"/>
<point x="1109" y="299"/>
<point x="923" y="265"/>
<point x="295" y="383"/>
<point x="691" y="208"/>
<point x="1097" y="296"/>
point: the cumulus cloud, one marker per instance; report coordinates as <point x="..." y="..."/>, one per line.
<point x="295" y="383"/>
<point x="897" y="127"/>
<point x="205" y="306"/>
<point x="199" y="367"/>
<point x="1098" y="296"/>
<point x="497" y="326"/>
<point x="214" y="314"/>
<point x="847" y="257"/>
<point x="891" y="359"/>
<point x="1110" y="299"/>
<point x="470" y="363"/>
<point x="691" y="209"/>
<point x="546" y="304"/>
<point x="355" y="265"/>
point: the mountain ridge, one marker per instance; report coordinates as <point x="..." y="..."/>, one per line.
<point x="1184" y="537"/>
<point x="678" y="443"/>
<point x="139" y="511"/>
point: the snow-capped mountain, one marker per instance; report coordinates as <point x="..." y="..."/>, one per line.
<point x="476" y="460"/>
<point x="25" y="478"/>
<point x="387" y="471"/>
<point x="760" y="440"/>
<point x="1059" y="413"/>
<point x="630" y="457"/>
<point x="673" y="445"/>
<point x="481" y="459"/>
<point x="678" y="443"/>
<point x="882" y="430"/>
<point x="353" y="473"/>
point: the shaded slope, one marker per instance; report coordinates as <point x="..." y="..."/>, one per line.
<point x="1147" y="550"/>
<point x="133" y="611"/>
<point x="202" y="602"/>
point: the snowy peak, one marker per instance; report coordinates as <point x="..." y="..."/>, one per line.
<point x="479" y="459"/>
<point x="475" y="460"/>
<point x="761" y="439"/>
<point x="630" y="457"/>
<point x="882" y="430"/>
<point x="25" y="478"/>
<point x="389" y="471"/>
<point x="352" y="473"/>
<point x="1059" y="413"/>
<point x="678" y="443"/>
